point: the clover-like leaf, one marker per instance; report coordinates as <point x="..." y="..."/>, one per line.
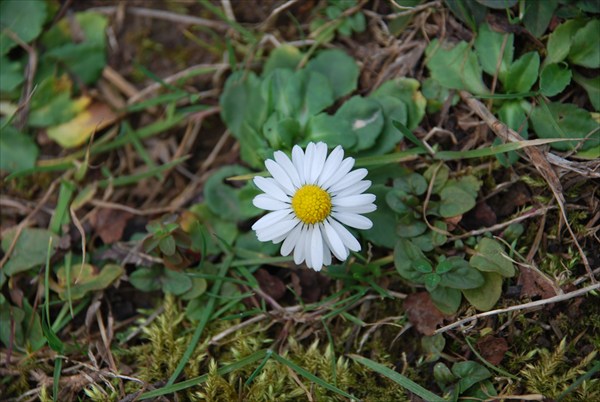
<point x="446" y="299"/>
<point x="460" y="275"/>
<point x="490" y="257"/>
<point x="470" y="373"/>
<point x="487" y="295"/>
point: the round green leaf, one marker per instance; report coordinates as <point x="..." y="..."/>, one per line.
<point x="23" y="18"/>
<point x="447" y="300"/>
<point x="146" y="279"/>
<point x="364" y="118"/>
<point x="175" y="282"/>
<point x="284" y="56"/>
<point x="18" y="151"/>
<point x="486" y="296"/>
<point x="470" y="373"/>
<point x="431" y="281"/>
<point x="584" y="48"/>
<point x="461" y="275"/>
<point x="340" y="69"/>
<point x="554" y="79"/>
<point x="167" y="245"/>
<point x="564" y="120"/>
<point x="30" y="250"/>
<point x="490" y="257"/>
<point x="455" y="201"/>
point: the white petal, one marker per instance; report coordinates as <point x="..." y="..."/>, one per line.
<point x="298" y="160"/>
<point x="357" y="188"/>
<point x="271" y="218"/>
<point x="334" y="242"/>
<point x="331" y="165"/>
<point x="360" y="209"/>
<point x="346" y="237"/>
<point x="263" y="201"/>
<point x="353" y="200"/>
<point x="326" y="256"/>
<point x="280" y="176"/>
<point x="318" y="162"/>
<point x="353" y="220"/>
<point x="270" y="187"/>
<point x="309" y="155"/>
<point x="342" y="170"/>
<point x="281" y="238"/>
<point x="316" y="248"/>
<point x="278" y="229"/>
<point x="299" y="250"/>
<point x="291" y="240"/>
<point x="287" y="165"/>
<point x="348" y="180"/>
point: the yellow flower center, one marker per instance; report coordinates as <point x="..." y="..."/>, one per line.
<point x="311" y="204"/>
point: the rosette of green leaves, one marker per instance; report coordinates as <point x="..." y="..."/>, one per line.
<point x="444" y="281"/>
<point x="286" y="106"/>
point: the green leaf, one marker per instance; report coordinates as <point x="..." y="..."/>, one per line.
<point x="281" y="132"/>
<point x="223" y="199"/>
<point x="175" y="282"/>
<point x="447" y="300"/>
<point x="146" y="279"/>
<point x="554" y="79"/>
<point x="364" y="118"/>
<point x="316" y="94"/>
<point x="538" y="15"/>
<point x="565" y="120"/>
<point x="559" y="41"/>
<point x="455" y="67"/>
<point x="11" y="317"/>
<point x="11" y="74"/>
<point x="284" y="56"/>
<point x="18" y="151"/>
<point x="398" y="378"/>
<point x="85" y="279"/>
<point x="282" y="89"/>
<point x="407" y="257"/>
<point x="431" y="281"/>
<point x="584" y="50"/>
<point x="84" y="59"/>
<point x="513" y="115"/>
<point x="431" y="239"/>
<point x="523" y="73"/>
<point x="407" y="91"/>
<point x="455" y="201"/>
<point x="498" y="4"/>
<point x="460" y="275"/>
<point x="167" y="245"/>
<point x="487" y="295"/>
<point x="408" y="226"/>
<point x="241" y="99"/>
<point x="384" y="220"/>
<point x="468" y="11"/>
<point x="441" y="177"/>
<point x="592" y="87"/>
<point x="490" y="257"/>
<point x="29" y="251"/>
<point x="23" y="18"/>
<point x="470" y="373"/>
<point x="331" y="130"/>
<point x="340" y="69"/>
<point x="433" y="346"/>
<point x="489" y="49"/>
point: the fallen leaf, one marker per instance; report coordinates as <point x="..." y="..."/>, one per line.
<point x="109" y="223"/>
<point x="270" y="284"/>
<point x="309" y="284"/>
<point x="533" y="284"/>
<point x="422" y="313"/>
<point x="492" y="348"/>
<point x="480" y="216"/>
<point x="79" y="129"/>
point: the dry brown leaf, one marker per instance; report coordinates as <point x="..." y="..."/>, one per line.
<point x="422" y="313"/>
<point x="109" y="223"/>
<point x="492" y="348"/>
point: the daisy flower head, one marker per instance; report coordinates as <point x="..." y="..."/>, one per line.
<point x="311" y="197"/>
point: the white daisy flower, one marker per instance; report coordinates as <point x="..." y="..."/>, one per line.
<point x="312" y="196"/>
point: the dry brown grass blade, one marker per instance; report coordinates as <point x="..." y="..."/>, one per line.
<point x="537" y="158"/>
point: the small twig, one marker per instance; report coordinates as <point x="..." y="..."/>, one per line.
<point x="411" y="10"/>
<point x="275" y="13"/>
<point x="165" y="15"/>
<point x="537" y="158"/>
<point x="537" y="303"/>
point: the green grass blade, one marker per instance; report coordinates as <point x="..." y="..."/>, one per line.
<point x="61" y="211"/>
<point x="398" y="378"/>
<point x="206" y="315"/>
<point x="253" y="358"/>
<point x="595" y="368"/>
<point x="134" y="178"/>
<point x="311" y="377"/>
